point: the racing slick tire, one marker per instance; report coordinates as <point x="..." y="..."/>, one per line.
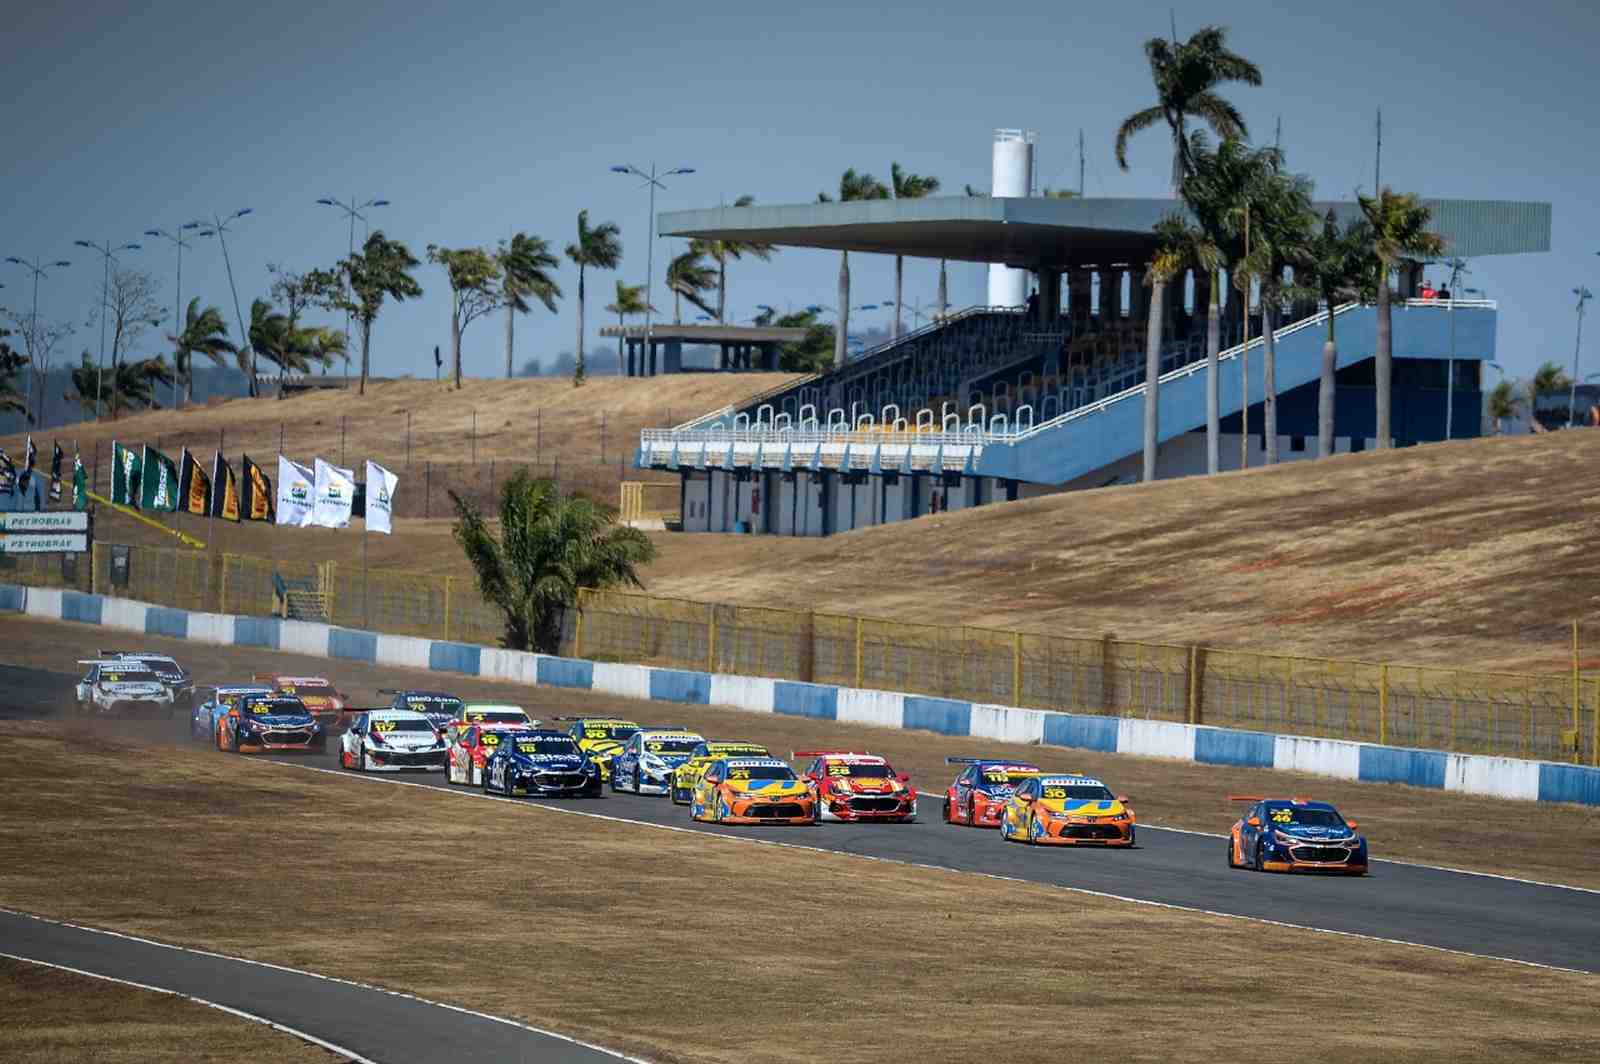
<point x="1027" y="830"/>
<point x="361" y="756"/>
<point x="1258" y="859"/>
<point x="1231" y="862"/>
<point x="636" y="773"/>
<point x="948" y="819"/>
<point x="233" y="741"/>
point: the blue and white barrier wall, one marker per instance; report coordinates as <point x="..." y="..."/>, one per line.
<point x="1504" y="777"/>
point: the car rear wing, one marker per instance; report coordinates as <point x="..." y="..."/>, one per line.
<point x="1298" y="799"/>
<point x="830" y="753"/>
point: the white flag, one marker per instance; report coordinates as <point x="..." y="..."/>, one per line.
<point x="380" y="498"/>
<point x="296" y="488"/>
<point x="336" y="490"/>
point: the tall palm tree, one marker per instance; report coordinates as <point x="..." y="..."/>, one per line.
<point x="1398" y="231"/>
<point x="205" y="332"/>
<point x="1548" y="379"/>
<point x="597" y="248"/>
<point x="722" y="251"/>
<point x="1333" y="266"/>
<point x="688" y="277"/>
<point x="906" y="186"/>
<point x="1217" y="192"/>
<point x="1179" y="247"/>
<point x="526" y="265"/>
<point x="852" y="186"/>
<point x="380" y="270"/>
<point x="1283" y="235"/>
<point x="1186" y="78"/>
<point x="1504" y="402"/>
<point x="270" y="337"/>
<point x="630" y="301"/>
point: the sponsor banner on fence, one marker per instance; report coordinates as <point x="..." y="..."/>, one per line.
<point x="335" y="491"/>
<point x="297" y="488"/>
<point x="44" y="543"/>
<point x="62" y="521"/>
<point x="380" y="498"/>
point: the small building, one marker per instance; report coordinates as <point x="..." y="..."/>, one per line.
<point x="658" y="347"/>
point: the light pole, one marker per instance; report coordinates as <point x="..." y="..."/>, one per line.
<point x="218" y="227"/>
<point x="1458" y="267"/>
<point x="353" y="211"/>
<point x="653" y="181"/>
<point x="1584" y="295"/>
<point x="38" y="269"/>
<point x="179" y="243"/>
<point x="107" y="255"/>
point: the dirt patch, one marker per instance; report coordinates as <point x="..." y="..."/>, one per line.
<point x="51" y="1017"/>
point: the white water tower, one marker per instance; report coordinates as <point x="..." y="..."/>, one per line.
<point x="1012" y="177"/>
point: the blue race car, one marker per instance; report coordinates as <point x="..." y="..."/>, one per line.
<point x="979" y="795"/>
<point x="270" y="723"/>
<point x="1295" y="835"/>
<point x="540" y="763"/>
<point x="438" y="706"/>
<point x="213" y="703"/>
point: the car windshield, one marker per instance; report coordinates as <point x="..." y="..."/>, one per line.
<point x="164" y="664"/>
<point x="619" y="732"/>
<point x="736" y="751"/>
<point x="405" y="724"/>
<point x="999" y="777"/>
<point x="1082" y="792"/>
<point x="264" y="707"/>
<point x="425" y="704"/>
<point x="671" y="746"/>
<point x="127" y="676"/>
<point x="546" y="744"/>
<point x="1301" y="817"/>
<point x="760" y="772"/>
<point x="496" y="716"/>
<point x="856" y="770"/>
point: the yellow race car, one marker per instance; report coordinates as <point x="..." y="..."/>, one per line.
<point x="601" y="738"/>
<point x="686" y="775"/>
<point x="1067" y="810"/>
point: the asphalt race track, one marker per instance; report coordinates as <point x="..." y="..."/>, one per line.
<point x="1477" y="914"/>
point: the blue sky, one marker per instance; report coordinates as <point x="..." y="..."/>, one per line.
<point x="479" y="119"/>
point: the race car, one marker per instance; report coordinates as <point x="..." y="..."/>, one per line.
<point x="391" y="740"/>
<point x="470" y="748"/>
<point x="121" y="687"/>
<point x="753" y="790"/>
<point x="1066" y="811"/>
<point x="470" y="713"/>
<point x="601" y="738"/>
<point x="646" y="762"/>
<point x="540" y="763"/>
<point x="214" y="704"/>
<point x="686" y="775"/>
<point x="439" y="707"/>
<point x="271" y="722"/>
<point x="979" y="794"/>
<point x="1295" y="835"/>
<point x="859" y="786"/>
<point x="167" y="670"/>
<point x="325" y="702"/>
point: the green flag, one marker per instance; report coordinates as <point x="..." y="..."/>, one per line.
<point x="158" y="489"/>
<point x="80" y="481"/>
<point x="126" y="467"/>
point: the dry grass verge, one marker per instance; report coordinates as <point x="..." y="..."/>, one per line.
<point x="1532" y="840"/>
<point x="686" y="949"/>
<point x="56" y="1017"/>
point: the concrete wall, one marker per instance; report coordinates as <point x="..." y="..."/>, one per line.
<point x="1501" y="777"/>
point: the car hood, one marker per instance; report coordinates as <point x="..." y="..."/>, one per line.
<point x="1313" y="834"/>
<point x="138" y="687"/>
<point x="548" y="762"/>
<point x="410" y="740"/>
<point x="318" y="701"/>
<point x="284" y="720"/>
<point x="767" y="788"/>
<point x="1083" y="806"/>
<point x="871" y="785"/>
<point x="670" y="760"/>
<point x="600" y="748"/>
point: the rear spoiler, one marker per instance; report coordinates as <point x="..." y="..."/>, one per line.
<point x="1298" y="798"/>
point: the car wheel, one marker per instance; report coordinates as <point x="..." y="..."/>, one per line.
<point x="637" y="772"/>
<point x="949" y="817"/>
<point x="1027" y="830"/>
<point x="1231" y="862"/>
<point x="1258" y="861"/>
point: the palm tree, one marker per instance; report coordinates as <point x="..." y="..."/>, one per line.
<point x="526" y="265"/>
<point x="205" y="332"/>
<point x="598" y="248"/>
<point x="1333" y="266"/>
<point x="1179" y="247"/>
<point x="721" y="251"/>
<point x="132" y="383"/>
<point x="852" y="186"/>
<point x="1398" y="230"/>
<point x="906" y="186"/>
<point x="1548" y="379"/>
<point x="1186" y="77"/>
<point x="549" y="546"/>
<point x="381" y="269"/>
<point x="13" y="363"/>
<point x="688" y="277"/>
<point x="1503" y="403"/>
<point x="1218" y="193"/>
<point x="1282" y="238"/>
<point x="270" y="337"/>
<point x="630" y="300"/>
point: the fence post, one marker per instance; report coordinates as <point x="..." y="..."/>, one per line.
<point x="711" y="638"/>
<point x="1383" y="704"/>
<point x="1594" y="744"/>
<point x="1016" y="668"/>
<point x="577" y="634"/>
<point x="1194" y="676"/>
<point x="449" y="582"/>
<point x="1577" y="700"/>
<point x="859" y="644"/>
<point x="222" y="587"/>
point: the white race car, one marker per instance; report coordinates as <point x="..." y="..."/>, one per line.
<point x="391" y="740"/>
<point x="647" y="762"/>
<point x="122" y="687"/>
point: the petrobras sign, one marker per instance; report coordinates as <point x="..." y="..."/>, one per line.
<point x="63" y="521"/>
<point x="296" y="486"/>
<point x="380" y="498"/>
<point x="335" y="492"/>
<point x="43" y="543"/>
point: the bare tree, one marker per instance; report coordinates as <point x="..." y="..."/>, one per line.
<point x="39" y="340"/>
<point x="128" y="300"/>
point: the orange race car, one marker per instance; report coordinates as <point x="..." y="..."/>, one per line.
<point x="753" y="790"/>
<point x="1067" y="811"/>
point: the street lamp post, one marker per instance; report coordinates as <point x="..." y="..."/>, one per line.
<point x="107" y="255"/>
<point x="39" y="269"/>
<point x="653" y="181"/>
<point x="1584" y="295"/>
<point x="179" y="243"/>
<point x="218" y="227"/>
<point x="1458" y="267"/>
<point x="352" y="210"/>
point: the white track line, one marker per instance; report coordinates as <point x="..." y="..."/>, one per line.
<point x="1409" y="864"/>
<point x="314" y="975"/>
<point x="332" y="1047"/>
<point x="1173" y="906"/>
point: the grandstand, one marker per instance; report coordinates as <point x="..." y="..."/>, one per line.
<point x="995" y="403"/>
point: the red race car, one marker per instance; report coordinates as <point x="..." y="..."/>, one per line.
<point x="325" y="702"/>
<point x="857" y="786"/>
<point x="470" y="750"/>
<point x="978" y="796"/>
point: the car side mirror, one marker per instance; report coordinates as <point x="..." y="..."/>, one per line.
<point x="904" y="777"/>
<point x="1352" y="824"/>
<point x="1254" y="821"/>
<point x="1124" y="798"/>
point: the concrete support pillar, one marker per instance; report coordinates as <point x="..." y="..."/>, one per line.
<point x="1139" y="295"/>
<point x="650" y="356"/>
<point x="1110" y="296"/>
<point x="1410" y="280"/>
<point x="672" y="356"/>
<point x="1079" y="295"/>
<point x="1049" y="296"/>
